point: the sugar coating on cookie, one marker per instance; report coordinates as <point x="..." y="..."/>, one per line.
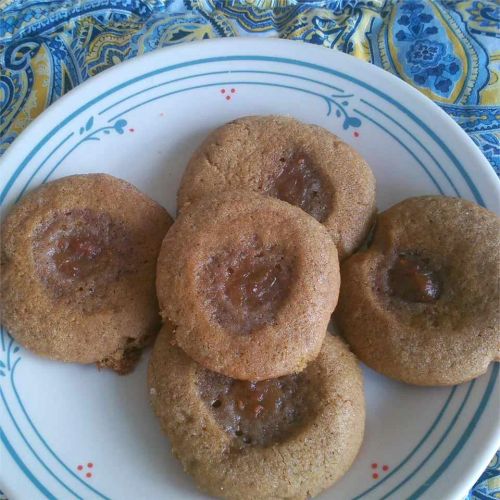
<point x="421" y="303"/>
<point x="305" y="165"/>
<point x="250" y="283"/>
<point x="289" y="437"/>
<point x="78" y="270"/>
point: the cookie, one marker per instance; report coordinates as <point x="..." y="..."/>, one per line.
<point x="305" y="165"/>
<point x="421" y="304"/>
<point x="290" y="437"/>
<point x="250" y="282"/>
<point x="78" y="263"/>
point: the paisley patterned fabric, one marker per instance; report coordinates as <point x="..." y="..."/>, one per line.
<point x="447" y="49"/>
<point x="487" y="486"/>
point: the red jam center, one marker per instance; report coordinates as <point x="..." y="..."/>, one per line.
<point x="246" y="287"/>
<point x="299" y="184"/>
<point x="255" y="282"/>
<point x="76" y="256"/>
<point x="411" y="279"/>
<point x="80" y="251"/>
<point x="257" y="413"/>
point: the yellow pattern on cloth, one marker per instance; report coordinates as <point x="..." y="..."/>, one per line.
<point x="448" y="49"/>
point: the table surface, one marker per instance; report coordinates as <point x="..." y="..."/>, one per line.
<point x="447" y="49"/>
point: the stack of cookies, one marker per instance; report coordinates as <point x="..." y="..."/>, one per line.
<point x="258" y="399"/>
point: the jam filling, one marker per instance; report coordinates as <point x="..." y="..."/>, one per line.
<point x="411" y="279"/>
<point x="257" y="413"/>
<point x="80" y="251"/>
<point x="247" y="286"/>
<point x="299" y="184"/>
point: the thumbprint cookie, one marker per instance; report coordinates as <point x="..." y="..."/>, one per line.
<point x="250" y="283"/>
<point x="421" y="303"/>
<point x="288" y="437"/>
<point x="78" y="263"/>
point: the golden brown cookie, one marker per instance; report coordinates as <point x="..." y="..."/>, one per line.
<point x="250" y="282"/>
<point x="421" y="304"/>
<point x="78" y="267"/>
<point x="305" y="165"/>
<point x="290" y="437"/>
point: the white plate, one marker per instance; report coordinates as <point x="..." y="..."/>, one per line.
<point x="141" y="121"/>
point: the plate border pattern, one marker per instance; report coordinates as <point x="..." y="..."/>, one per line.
<point x="116" y="123"/>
